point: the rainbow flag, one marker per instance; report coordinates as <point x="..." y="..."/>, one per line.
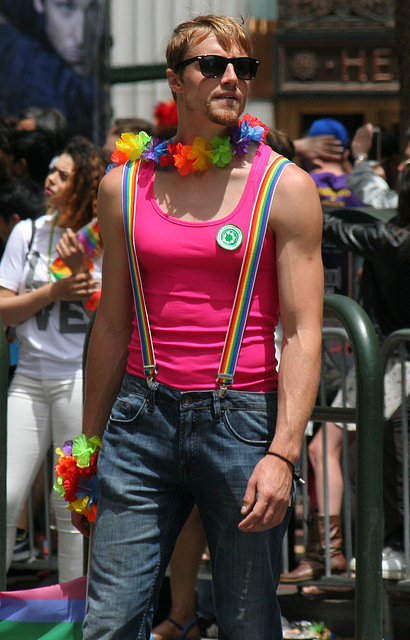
<point x="89" y="236"/>
<point x="46" y="613"/>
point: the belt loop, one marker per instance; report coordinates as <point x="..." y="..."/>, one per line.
<point x="216" y="407"/>
<point x="152" y="387"/>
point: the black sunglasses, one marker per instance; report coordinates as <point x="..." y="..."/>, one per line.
<point x="214" y="66"/>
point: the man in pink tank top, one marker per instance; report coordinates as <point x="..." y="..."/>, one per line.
<point x="184" y="434"/>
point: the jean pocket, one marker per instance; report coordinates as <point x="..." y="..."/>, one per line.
<point x="250" y="426"/>
<point x="127" y="409"/>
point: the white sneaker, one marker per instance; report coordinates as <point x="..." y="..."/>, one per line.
<point x="393" y="564"/>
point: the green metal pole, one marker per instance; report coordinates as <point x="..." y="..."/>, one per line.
<point x="136" y="73"/>
<point x="4" y="375"/>
<point x="369" y="472"/>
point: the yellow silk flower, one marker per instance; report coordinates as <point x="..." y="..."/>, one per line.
<point x="201" y="153"/>
<point x="132" y="145"/>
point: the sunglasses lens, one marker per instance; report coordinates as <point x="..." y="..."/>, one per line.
<point x="214" y="67"/>
<point x="243" y="68"/>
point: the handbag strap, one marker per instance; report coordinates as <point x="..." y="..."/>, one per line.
<point x="246" y="281"/>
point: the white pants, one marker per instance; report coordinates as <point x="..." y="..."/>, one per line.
<point x="41" y="413"/>
<point x="392" y="389"/>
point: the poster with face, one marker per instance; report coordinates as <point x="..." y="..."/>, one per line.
<point x="52" y="54"/>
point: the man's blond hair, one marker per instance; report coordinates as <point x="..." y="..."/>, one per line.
<point x="227" y="31"/>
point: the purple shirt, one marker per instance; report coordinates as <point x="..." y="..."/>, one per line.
<point x="334" y="192"/>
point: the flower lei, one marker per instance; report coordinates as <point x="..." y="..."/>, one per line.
<point x="76" y="479"/>
<point x="198" y="156"/>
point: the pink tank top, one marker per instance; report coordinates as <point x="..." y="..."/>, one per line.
<point x="189" y="284"/>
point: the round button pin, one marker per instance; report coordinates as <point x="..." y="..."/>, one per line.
<point x="229" y="237"/>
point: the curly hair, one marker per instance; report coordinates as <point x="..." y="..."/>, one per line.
<point x="82" y="187"/>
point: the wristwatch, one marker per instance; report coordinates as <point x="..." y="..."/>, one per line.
<point x="360" y="158"/>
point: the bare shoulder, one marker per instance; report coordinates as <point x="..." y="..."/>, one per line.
<point x="109" y="205"/>
<point x="115" y="272"/>
<point x="296" y="182"/>
<point x="110" y="185"/>
<point x="296" y="201"/>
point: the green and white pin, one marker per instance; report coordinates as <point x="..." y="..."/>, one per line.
<point x="229" y="237"/>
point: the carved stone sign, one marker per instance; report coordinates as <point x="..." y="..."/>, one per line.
<point x="348" y="63"/>
<point x="317" y="14"/>
<point x="333" y="47"/>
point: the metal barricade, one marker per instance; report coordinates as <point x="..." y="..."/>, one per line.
<point x="335" y="353"/>
<point x="335" y="346"/>
<point x="396" y="346"/>
<point x="368" y="415"/>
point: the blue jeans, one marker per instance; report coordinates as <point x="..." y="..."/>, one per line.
<point x="162" y="452"/>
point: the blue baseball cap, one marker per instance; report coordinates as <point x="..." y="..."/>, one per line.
<point x="329" y="127"/>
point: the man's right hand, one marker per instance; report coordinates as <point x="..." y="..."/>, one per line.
<point x="81" y="523"/>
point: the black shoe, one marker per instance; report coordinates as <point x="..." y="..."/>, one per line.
<point x="21" y="549"/>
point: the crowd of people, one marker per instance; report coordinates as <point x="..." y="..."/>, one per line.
<point x="189" y="465"/>
<point x="384" y="279"/>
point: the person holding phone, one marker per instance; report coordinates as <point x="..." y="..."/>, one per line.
<point x="366" y="184"/>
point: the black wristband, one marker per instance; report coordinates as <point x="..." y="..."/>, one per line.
<point x="295" y="474"/>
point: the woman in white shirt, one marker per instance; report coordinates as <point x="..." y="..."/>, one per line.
<point x="46" y="299"/>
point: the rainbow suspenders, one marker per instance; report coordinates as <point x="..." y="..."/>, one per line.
<point x="247" y="276"/>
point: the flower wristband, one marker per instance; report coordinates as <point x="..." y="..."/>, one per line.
<point x="76" y="479"/>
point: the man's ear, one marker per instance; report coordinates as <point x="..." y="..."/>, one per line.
<point x="38" y="6"/>
<point x="174" y="81"/>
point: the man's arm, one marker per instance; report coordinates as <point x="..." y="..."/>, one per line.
<point x="107" y="353"/>
<point x="296" y="221"/>
<point x="111" y="333"/>
<point x="370" y="188"/>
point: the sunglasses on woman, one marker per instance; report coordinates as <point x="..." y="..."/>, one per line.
<point x="214" y="66"/>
